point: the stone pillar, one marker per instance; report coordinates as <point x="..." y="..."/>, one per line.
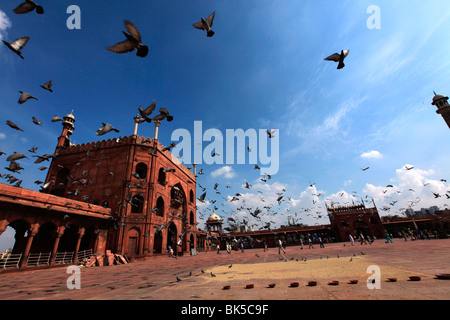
<point x="81" y="231"/>
<point x="135" y="126"/>
<point x="59" y="233"/>
<point x="157" y="123"/>
<point x="100" y="241"/>
<point x="31" y="233"/>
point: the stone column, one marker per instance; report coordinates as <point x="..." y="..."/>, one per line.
<point x="157" y="123"/>
<point x="136" y="123"/>
<point x="59" y="233"/>
<point x="81" y="231"/>
<point x="31" y="233"/>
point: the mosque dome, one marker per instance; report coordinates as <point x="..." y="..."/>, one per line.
<point x="70" y="116"/>
<point x="214" y="218"/>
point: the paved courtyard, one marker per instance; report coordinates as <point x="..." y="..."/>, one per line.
<point x="156" y="279"/>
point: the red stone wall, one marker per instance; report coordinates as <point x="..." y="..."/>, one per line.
<point x="102" y="172"/>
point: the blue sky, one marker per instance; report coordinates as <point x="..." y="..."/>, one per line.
<point x="263" y="69"/>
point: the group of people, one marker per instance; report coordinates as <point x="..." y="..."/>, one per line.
<point x="362" y="239"/>
<point x="309" y="239"/>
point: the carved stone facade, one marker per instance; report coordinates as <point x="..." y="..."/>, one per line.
<point x="355" y="220"/>
<point x="148" y="195"/>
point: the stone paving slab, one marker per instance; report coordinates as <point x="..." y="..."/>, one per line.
<point x="155" y="279"/>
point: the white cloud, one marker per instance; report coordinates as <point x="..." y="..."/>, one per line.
<point x="5" y="23"/>
<point x="323" y="136"/>
<point x="226" y="171"/>
<point x="2" y="136"/>
<point x="372" y="155"/>
<point x="415" y="188"/>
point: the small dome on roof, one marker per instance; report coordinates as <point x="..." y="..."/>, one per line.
<point x="214" y="217"/>
<point x="70" y="115"/>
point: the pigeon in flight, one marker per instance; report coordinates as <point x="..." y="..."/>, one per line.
<point x="13" y="125"/>
<point x="336" y="57"/>
<point x="25" y="97"/>
<point x="56" y="119"/>
<point x="16" y="156"/>
<point x="270" y="133"/>
<point x="133" y="41"/>
<point x="14" y="167"/>
<point x="105" y="129"/>
<point x="163" y="114"/>
<point x="172" y="145"/>
<point x="17" y="45"/>
<point x="147" y="111"/>
<point x="28" y="6"/>
<point x="206" y="24"/>
<point x="47" y="86"/>
<point x="36" y="121"/>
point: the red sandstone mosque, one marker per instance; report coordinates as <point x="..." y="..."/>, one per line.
<point x="127" y="195"/>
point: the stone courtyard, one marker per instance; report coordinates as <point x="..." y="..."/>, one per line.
<point x="203" y="277"/>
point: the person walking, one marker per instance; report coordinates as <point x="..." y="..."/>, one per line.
<point x="171" y="253"/>
<point x="363" y="240"/>
<point x="388" y="238"/>
<point x="265" y="246"/>
<point x="321" y="242"/>
<point x="280" y="246"/>
<point x="310" y="241"/>
<point x="352" y="241"/>
<point x="301" y="243"/>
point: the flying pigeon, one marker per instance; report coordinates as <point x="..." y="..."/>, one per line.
<point x="206" y="24"/>
<point x="133" y="42"/>
<point x="169" y="147"/>
<point x="105" y="129"/>
<point x="147" y="111"/>
<point x="13" y="125"/>
<point x="336" y="57"/>
<point x="56" y="119"/>
<point x="17" y="45"/>
<point x="33" y="149"/>
<point x="16" y="156"/>
<point x="270" y="133"/>
<point x="14" y="167"/>
<point x="47" y="86"/>
<point x="163" y="114"/>
<point x="28" y="6"/>
<point x="45" y="157"/>
<point x="35" y="121"/>
<point x="25" y="97"/>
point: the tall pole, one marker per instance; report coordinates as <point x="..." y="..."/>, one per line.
<point x="135" y="126"/>
<point x="157" y="123"/>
